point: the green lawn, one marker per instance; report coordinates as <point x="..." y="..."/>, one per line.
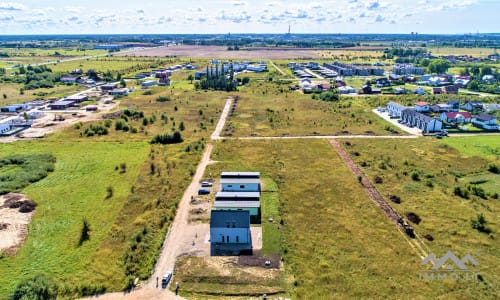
<point x="76" y="190"/>
<point x="488" y="146"/>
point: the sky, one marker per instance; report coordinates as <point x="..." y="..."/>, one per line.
<point x="252" y="16"/>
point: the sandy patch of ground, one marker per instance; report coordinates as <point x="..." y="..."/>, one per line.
<point x="13" y="223"/>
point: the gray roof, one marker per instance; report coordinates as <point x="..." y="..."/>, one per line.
<point x="237" y="204"/>
<point x="241" y="195"/>
<point x="240" y="175"/>
<point x="418" y="115"/>
<point x="62" y="102"/>
<point x="239" y="180"/>
<point x="485" y="117"/>
<point x="395" y="104"/>
<point x="225" y="218"/>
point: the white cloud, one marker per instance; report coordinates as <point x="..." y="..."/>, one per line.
<point x="11" y="6"/>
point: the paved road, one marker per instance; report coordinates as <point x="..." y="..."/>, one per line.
<point x="313" y="74"/>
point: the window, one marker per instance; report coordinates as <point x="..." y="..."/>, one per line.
<point x="223" y="239"/>
<point x="237" y="239"/>
<point x="242" y="186"/>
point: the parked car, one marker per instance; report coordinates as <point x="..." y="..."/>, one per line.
<point x="206" y="184"/>
<point x="166" y="279"/>
<point x="203" y="191"/>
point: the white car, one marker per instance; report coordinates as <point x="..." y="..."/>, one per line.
<point x="206" y="184"/>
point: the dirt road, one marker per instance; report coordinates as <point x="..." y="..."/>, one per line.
<point x="222" y="120"/>
<point x="276" y="67"/>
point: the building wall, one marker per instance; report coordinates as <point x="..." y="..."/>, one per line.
<point x="243" y="235"/>
<point x="4" y="128"/>
<point x="254" y="211"/>
<point x="243" y="187"/>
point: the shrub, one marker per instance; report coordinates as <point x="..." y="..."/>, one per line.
<point x="33" y="167"/>
<point x="493" y="168"/>
<point x="162" y="99"/>
<point x="413" y="217"/>
<point x="378" y="180"/>
<point x="38" y="287"/>
<point x="84" y="233"/>
<point x="415" y="176"/>
<point x="462" y="193"/>
<point x="480" y="223"/>
<point x="395" y="199"/>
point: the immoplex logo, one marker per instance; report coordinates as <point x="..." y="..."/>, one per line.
<point x="449" y="267"/>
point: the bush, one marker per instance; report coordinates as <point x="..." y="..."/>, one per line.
<point x="162" y="99"/>
<point x="462" y="193"/>
<point x="415" y="176"/>
<point x="378" y="180"/>
<point x="39" y="287"/>
<point x="493" y="168"/>
<point x="480" y="223"/>
<point x="395" y="199"/>
<point x="84" y="233"/>
<point x="413" y="217"/>
<point x="33" y="167"/>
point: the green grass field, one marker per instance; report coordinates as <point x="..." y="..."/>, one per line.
<point x="270" y="109"/>
<point x="488" y="146"/>
<point x="11" y="90"/>
<point x="76" y="190"/>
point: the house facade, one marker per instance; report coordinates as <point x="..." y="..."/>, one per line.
<point x="395" y="109"/>
<point x="4" y="128"/>
<point x="229" y="227"/>
<point x="472" y="106"/>
<point x="421" y="121"/>
<point x="240" y="184"/>
<point x="422" y="107"/>
<point x="456" y="117"/>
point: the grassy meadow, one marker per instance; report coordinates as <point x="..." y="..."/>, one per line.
<point x="270" y="109"/>
<point x="426" y="175"/>
<point x="75" y="191"/>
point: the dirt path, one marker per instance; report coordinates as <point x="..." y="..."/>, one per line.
<point x="276" y="67"/>
<point x="222" y="120"/>
<point x="417" y="243"/>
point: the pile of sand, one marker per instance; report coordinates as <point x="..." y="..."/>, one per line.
<point x="14" y="221"/>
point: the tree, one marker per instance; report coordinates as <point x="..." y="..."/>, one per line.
<point x="190" y="78"/>
<point x="22" y="70"/>
<point x="439" y="66"/>
<point x="245" y="80"/>
<point x="181" y="126"/>
<point x="473" y="85"/>
<point x="123" y="83"/>
<point x="5" y="96"/>
<point x="486" y="71"/>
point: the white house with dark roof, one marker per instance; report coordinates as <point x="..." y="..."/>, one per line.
<point x="395" y="109"/>
<point x="421" y="121"/>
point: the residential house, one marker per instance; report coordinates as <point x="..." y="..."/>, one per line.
<point x="485" y="121"/>
<point x="254" y="175"/>
<point x="240" y="184"/>
<point x="419" y="91"/>
<point x="77" y="72"/>
<point x="14" y="108"/>
<point x="119" y="92"/>
<point x="366" y="89"/>
<point x="437" y="91"/>
<point x="109" y="87"/>
<point x="422" y="107"/>
<point x="491" y="107"/>
<point x="394" y="109"/>
<point x="488" y="79"/>
<point x="382" y="82"/>
<point x="4" y="128"/>
<point x="77" y="98"/>
<point x="346" y="90"/>
<point x="439" y="108"/>
<point x="149" y="83"/>
<point x="230" y="232"/>
<point x="164" y="81"/>
<point x="323" y="87"/>
<point x="249" y="201"/>
<point x="61" y="105"/>
<point x="399" y="91"/>
<point x="421" y="121"/>
<point x="35" y="114"/>
<point x="69" y="79"/>
<point x="450" y="89"/>
<point x="455" y="105"/>
<point x="472" y="106"/>
<point x="456" y="117"/>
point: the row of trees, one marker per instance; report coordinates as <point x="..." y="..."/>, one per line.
<point x="216" y="79"/>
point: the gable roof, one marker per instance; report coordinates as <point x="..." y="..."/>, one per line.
<point x="485" y="117"/>
<point x="221" y="218"/>
<point x="454" y="115"/>
<point x="421" y="103"/>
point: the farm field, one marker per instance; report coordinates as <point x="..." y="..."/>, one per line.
<point x="222" y="52"/>
<point x="336" y="242"/>
<point x="475" y="52"/>
<point x="270" y="109"/>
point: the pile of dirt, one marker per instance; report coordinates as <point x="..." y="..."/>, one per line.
<point x="4" y="226"/>
<point x="259" y="261"/>
<point x="14" y="201"/>
<point x="15" y="215"/>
